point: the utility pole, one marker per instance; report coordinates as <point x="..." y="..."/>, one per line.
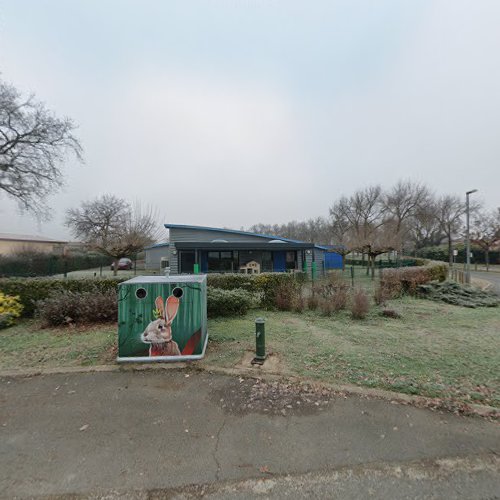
<point x="467" y="236"/>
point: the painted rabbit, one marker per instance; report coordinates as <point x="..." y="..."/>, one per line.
<point x="159" y="332"/>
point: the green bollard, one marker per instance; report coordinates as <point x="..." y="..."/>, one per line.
<point x="260" y="341"/>
<point x="196" y="269"/>
<point x="314" y="270"/>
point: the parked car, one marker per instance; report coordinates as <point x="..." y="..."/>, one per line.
<point x="123" y="264"/>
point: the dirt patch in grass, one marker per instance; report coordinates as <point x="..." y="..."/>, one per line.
<point x="273" y="398"/>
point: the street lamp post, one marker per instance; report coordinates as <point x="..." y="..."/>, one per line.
<point x="467" y="236"/>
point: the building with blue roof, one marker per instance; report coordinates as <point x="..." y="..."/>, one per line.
<point x="204" y="249"/>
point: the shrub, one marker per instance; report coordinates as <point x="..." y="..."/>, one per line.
<point x="381" y="295"/>
<point x="340" y="298"/>
<point x="65" y="307"/>
<point x="300" y="304"/>
<point x="266" y="285"/>
<point x="325" y="307"/>
<point x="334" y="291"/>
<point x="312" y="302"/>
<point x="360" y="306"/>
<point x="10" y="309"/>
<point x="31" y="290"/>
<point x="394" y="282"/>
<point x="221" y="302"/>
<point x="269" y="285"/>
<point x="231" y="281"/>
<point x="460" y="295"/>
<point x="288" y="298"/>
<point x="437" y="270"/>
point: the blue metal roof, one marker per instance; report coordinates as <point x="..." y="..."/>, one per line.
<point x="157" y="245"/>
<point x="234" y="231"/>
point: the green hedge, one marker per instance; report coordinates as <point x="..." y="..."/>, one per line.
<point x="394" y="282"/>
<point x="35" y="264"/>
<point x="30" y="290"/>
<point x="383" y="264"/>
<point x="441" y="253"/>
<point x="232" y="281"/>
<point x="221" y="302"/>
<point x="265" y="285"/>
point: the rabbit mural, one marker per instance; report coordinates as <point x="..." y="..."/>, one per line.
<point x="159" y="332"/>
<point x="162" y="319"/>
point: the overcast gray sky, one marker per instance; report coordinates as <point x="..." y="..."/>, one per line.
<point x="229" y="113"/>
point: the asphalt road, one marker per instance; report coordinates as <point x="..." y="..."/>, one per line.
<point x="492" y="277"/>
<point x="186" y="434"/>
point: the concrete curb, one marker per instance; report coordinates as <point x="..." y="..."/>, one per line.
<point x="255" y="373"/>
<point x="426" y="470"/>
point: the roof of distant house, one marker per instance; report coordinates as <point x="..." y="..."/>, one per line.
<point x="234" y="231"/>
<point x="28" y="238"/>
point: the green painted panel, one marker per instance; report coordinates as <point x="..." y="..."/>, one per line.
<point x="136" y="312"/>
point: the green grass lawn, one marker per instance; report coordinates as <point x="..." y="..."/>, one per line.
<point x="25" y="345"/>
<point x="435" y="349"/>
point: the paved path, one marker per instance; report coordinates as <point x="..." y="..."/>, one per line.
<point x="492" y="277"/>
<point x="131" y="434"/>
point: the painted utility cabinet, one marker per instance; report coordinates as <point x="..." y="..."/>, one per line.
<point x="162" y="318"/>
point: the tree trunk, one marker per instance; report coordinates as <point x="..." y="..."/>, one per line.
<point x="373" y="267"/>
<point x="450" y="251"/>
<point x="115" y="267"/>
<point x="487" y="258"/>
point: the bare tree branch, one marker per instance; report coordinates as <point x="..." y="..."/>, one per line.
<point x="33" y="145"/>
<point x="113" y="227"/>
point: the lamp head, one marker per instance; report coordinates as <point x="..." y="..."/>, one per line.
<point x="471" y="191"/>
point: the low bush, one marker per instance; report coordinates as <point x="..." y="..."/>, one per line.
<point x="66" y="307"/>
<point x="221" y="302"/>
<point x="325" y="307"/>
<point x="10" y="309"/>
<point x="383" y="264"/>
<point x="266" y="285"/>
<point x="333" y="293"/>
<point x="232" y="281"/>
<point x="381" y="295"/>
<point x="288" y="298"/>
<point x="459" y="295"/>
<point x="360" y="305"/>
<point x="31" y="290"/>
<point x="395" y="282"/>
<point x="270" y="285"/>
<point x="312" y="302"/>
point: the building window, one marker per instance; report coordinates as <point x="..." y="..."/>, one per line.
<point x="291" y="260"/>
<point x="187" y="261"/>
<point x="267" y="262"/>
<point x="223" y="262"/>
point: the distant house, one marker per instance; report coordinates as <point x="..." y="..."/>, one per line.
<point x="11" y="244"/>
<point x="208" y="249"/>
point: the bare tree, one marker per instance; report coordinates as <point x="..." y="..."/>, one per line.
<point x="340" y="231"/>
<point x="364" y="214"/>
<point x="424" y="227"/>
<point x="450" y="211"/>
<point x="401" y="204"/>
<point x="485" y="232"/>
<point x="33" y="146"/>
<point x="113" y="227"/>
